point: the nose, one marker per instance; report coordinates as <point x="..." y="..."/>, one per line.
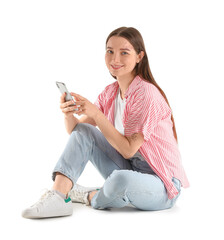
<point x="116" y="57"/>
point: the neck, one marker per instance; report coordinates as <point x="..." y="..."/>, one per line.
<point x="124" y="83"/>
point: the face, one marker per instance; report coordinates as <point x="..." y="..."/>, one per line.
<point x="121" y="57"/>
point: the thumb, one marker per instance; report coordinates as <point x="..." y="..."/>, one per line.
<point x="77" y="96"/>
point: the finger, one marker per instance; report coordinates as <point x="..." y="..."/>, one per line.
<point x="70" y="109"/>
<point x="81" y="103"/>
<point x="76" y="99"/>
<point x="80" y="110"/>
<point x="77" y="96"/>
<point x="66" y="104"/>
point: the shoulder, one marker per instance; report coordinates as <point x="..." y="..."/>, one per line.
<point x="110" y="89"/>
<point x="150" y="90"/>
<point x="150" y="94"/>
<point x="144" y="90"/>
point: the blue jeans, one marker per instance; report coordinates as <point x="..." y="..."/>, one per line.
<point x="124" y="183"/>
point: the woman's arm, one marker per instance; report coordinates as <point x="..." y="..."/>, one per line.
<point x="72" y="121"/>
<point x="126" y="146"/>
<point x="69" y="119"/>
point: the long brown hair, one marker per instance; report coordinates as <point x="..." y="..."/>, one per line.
<point x="142" y="68"/>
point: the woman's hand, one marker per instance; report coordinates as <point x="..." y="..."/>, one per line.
<point x="66" y="107"/>
<point x="84" y="106"/>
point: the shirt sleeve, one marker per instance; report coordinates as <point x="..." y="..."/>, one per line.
<point x="145" y="114"/>
<point x="100" y="101"/>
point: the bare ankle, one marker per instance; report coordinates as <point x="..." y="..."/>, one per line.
<point x="90" y="196"/>
<point x="62" y="183"/>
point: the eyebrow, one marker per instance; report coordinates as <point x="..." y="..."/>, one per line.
<point x="127" y="49"/>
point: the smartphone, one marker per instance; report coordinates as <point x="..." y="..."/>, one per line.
<point x="62" y="88"/>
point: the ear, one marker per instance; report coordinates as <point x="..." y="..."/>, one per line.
<point x="140" y="56"/>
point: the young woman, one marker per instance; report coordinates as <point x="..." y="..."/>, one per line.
<point x="136" y="149"/>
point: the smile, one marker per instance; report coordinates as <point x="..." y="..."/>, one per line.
<point x="116" y="67"/>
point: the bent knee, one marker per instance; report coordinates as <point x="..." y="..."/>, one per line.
<point x="82" y="127"/>
<point x="85" y="129"/>
<point x="117" y="183"/>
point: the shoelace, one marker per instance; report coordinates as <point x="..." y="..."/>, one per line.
<point x="80" y="195"/>
<point x="44" y="197"/>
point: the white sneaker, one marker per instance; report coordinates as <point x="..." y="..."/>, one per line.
<point x="79" y="194"/>
<point x="50" y="204"/>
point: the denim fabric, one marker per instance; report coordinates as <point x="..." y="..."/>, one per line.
<point x="127" y="181"/>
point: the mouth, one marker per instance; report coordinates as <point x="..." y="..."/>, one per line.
<point x="116" y="67"/>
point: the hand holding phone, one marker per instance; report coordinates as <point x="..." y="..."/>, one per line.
<point x="67" y="102"/>
<point x="63" y="89"/>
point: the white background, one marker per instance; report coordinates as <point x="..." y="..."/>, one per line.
<point x="46" y="41"/>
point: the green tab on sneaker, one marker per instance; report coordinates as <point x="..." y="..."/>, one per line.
<point x="68" y="200"/>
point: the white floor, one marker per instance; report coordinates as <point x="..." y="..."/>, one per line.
<point x="189" y="219"/>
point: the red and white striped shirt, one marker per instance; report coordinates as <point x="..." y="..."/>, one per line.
<point x="146" y="111"/>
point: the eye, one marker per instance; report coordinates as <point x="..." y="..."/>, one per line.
<point x="124" y="53"/>
<point x="109" y="51"/>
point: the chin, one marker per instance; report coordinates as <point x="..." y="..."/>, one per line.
<point x="114" y="74"/>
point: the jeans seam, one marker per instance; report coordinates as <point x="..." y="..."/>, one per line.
<point x="126" y="194"/>
<point x="117" y="197"/>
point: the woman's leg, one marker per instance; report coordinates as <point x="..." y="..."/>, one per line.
<point x="62" y="183"/>
<point x="86" y="143"/>
<point x="144" y="191"/>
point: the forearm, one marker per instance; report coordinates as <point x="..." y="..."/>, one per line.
<point x="113" y="136"/>
<point x="70" y="122"/>
<point x="127" y="146"/>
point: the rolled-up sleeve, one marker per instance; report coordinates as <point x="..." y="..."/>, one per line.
<point x="145" y="114"/>
<point x="100" y="101"/>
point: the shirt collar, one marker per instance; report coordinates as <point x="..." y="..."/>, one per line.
<point x="132" y="87"/>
